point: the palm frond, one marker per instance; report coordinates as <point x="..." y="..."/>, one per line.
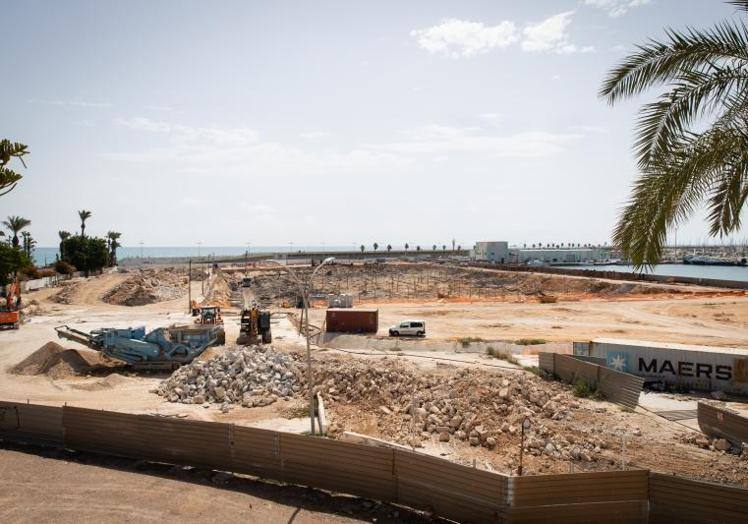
<point x="658" y="62"/>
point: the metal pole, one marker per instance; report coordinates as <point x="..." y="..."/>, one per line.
<point x="521" y="451"/>
<point x="189" y="287"/>
<point x="309" y="360"/>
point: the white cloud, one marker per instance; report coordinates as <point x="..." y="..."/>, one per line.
<point x="227" y="137"/>
<point x="71" y="103"/>
<point x="616" y="8"/>
<point x="314" y="135"/>
<point x="551" y="35"/>
<point x="462" y="38"/>
<point x="439" y="140"/>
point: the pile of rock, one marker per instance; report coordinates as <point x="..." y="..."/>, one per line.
<point x="480" y="408"/>
<point x="66" y="293"/>
<point x="253" y="376"/>
<point x="715" y="444"/>
<point x="148" y="286"/>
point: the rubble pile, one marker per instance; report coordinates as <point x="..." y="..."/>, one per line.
<point x="148" y="286"/>
<point x="482" y="409"/>
<point x="253" y="376"/>
<point x="66" y="293"/>
<point x="423" y="281"/>
<point x="218" y="292"/>
<point x="715" y="444"/>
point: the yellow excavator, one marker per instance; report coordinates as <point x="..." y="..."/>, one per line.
<point x="254" y="326"/>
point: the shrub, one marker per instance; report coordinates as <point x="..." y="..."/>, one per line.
<point x="11" y="260"/>
<point x="583" y="389"/>
<point x="530" y="341"/>
<point x="46" y="272"/>
<point x="30" y="272"/>
<point x="466" y="341"/>
<point x="86" y="253"/>
<point x="64" y="268"/>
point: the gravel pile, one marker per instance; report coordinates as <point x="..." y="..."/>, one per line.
<point x="148" y="286"/>
<point x="252" y="376"/>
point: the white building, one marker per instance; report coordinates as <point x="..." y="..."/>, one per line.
<point x="497" y="252"/>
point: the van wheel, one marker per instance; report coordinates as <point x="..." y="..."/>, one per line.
<point x="420" y="334"/>
<point x="395" y="333"/>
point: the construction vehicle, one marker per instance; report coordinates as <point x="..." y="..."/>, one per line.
<point x="163" y="348"/>
<point x="209" y="315"/>
<point x="10" y="306"/>
<point x="254" y="326"/>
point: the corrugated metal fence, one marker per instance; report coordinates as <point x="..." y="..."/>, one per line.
<point x="618" y="387"/>
<point x="413" y="479"/>
<point x="715" y="420"/>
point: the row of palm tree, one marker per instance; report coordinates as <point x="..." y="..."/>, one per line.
<point x="16" y="225"/>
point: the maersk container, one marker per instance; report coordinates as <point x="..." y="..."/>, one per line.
<point x="352" y="320"/>
<point x="702" y="368"/>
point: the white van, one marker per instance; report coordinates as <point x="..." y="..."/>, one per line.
<point x="416" y="328"/>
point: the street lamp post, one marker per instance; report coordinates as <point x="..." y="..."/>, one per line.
<point x="304" y="289"/>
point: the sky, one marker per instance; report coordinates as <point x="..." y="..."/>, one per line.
<point x="327" y="122"/>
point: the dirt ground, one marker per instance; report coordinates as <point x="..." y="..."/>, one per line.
<point x="81" y="488"/>
<point x="672" y="314"/>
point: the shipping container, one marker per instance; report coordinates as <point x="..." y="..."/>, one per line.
<point x="702" y="368"/>
<point x="352" y="320"/>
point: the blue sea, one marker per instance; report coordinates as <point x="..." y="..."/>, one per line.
<point x="684" y="270"/>
<point x="47" y="255"/>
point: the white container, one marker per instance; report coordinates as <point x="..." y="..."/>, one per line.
<point x="695" y="367"/>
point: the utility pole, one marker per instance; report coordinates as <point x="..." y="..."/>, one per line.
<point x="189" y="287"/>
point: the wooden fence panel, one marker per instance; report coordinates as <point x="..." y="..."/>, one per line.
<point x="31" y="423"/>
<point x="256" y="452"/>
<point x="174" y="441"/>
<point x="357" y="469"/>
<point x="714" y="420"/>
<point x="621" y="388"/>
<point x="614" y="496"/>
<point x="674" y="499"/>
<point x="448" y="489"/>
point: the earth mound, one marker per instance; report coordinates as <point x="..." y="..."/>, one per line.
<point x="54" y="361"/>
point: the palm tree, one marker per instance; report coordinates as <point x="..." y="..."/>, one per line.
<point x="29" y="244"/>
<point x="389" y="248"/>
<point x="84" y="215"/>
<point x="112" y="241"/>
<point x="9" y="178"/>
<point x="444" y="248"/>
<point x="692" y="142"/>
<point x="406" y="247"/>
<point x="362" y="248"/>
<point x="433" y="248"/>
<point x="64" y="235"/>
<point x="418" y="248"/>
<point x="16" y="224"/>
<point x="376" y="246"/>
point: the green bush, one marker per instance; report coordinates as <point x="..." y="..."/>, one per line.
<point x="529" y="341"/>
<point x="86" y="253"/>
<point x="12" y="260"/>
<point x="583" y="389"/>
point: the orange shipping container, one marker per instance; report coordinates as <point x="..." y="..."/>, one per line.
<point x="352" y="320"/>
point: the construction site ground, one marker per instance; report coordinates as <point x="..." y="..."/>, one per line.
<point x="682" y="314"/>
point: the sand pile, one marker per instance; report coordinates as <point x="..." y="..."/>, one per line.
<point x="54" y="361"/>
<point x="148" y="286"/>
<point x="112" y="381"/>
